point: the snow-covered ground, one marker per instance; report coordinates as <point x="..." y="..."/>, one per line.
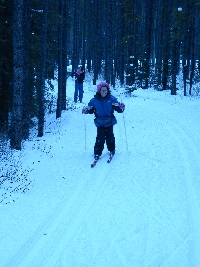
<point x="142" y="209"/>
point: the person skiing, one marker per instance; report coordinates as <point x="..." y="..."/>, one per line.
<point x="103" y="106"/>
<point x="80" y="76"/>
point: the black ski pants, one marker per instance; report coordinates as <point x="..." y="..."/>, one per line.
<point x="104" y="134"/>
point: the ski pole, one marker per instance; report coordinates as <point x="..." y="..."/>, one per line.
<point x="125" y="133"/>
<point x="125" y="129"/>
<point x="85" y="130"/>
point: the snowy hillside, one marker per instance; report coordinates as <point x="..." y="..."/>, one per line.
<point x="142" y="209"/>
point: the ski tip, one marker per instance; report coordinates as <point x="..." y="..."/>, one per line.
<point x="93" y="164"/>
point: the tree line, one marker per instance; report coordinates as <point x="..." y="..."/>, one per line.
<point x="141" y="43"/>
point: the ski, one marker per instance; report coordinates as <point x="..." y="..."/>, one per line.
<point x="94" y="164"/>
<point x="96" y="160"/>
<point x="110" y="159"/>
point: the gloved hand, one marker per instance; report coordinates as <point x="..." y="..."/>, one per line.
<point x="84" y="111"/>
<point x="122" y="106"/>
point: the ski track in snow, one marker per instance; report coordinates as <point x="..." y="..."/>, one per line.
<point x="116" y="215"/>
<point x="186" y="148"/>
<point x="189" y="152"/>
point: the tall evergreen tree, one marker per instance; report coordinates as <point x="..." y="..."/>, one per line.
<point x="41" y="89"/>
<point x="20" y="68"/>
<point x="60" y="61"/>
<point x="6" y="63"/>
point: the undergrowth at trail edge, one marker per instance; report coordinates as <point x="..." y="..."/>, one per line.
<point x="13" y="179"/>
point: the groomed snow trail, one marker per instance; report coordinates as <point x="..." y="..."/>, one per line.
<point x="142" y="209"/>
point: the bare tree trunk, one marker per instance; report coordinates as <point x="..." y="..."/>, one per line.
<point x="19" y="72"/>
<point x="192" y="54"/>
<point x="148" y="45"/>
<point x="43" y="70"/>
<point x="174" y="66"/>
<point x="64" y="54"/>
<point x="174" y="55"/>
<point x="60" y="54"/>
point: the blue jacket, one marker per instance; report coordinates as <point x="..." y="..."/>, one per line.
<point x="103" y="109"/>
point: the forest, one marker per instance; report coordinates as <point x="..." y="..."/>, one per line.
<point x="140" y="43"/>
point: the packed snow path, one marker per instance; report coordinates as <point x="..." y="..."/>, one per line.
<point x="142" y="209"/>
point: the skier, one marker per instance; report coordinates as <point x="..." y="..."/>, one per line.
<point x="103" y="106"/>
<point x="80" y="76"/>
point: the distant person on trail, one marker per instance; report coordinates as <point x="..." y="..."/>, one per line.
<point x="103" y="106"/>
<point x="79" y="79"/>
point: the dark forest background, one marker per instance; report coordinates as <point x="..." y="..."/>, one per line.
<point x="140" y="43"/>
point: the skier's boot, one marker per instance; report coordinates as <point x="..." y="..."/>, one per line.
<point x="112" y="153"/>
<point x="96" y="157"/>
